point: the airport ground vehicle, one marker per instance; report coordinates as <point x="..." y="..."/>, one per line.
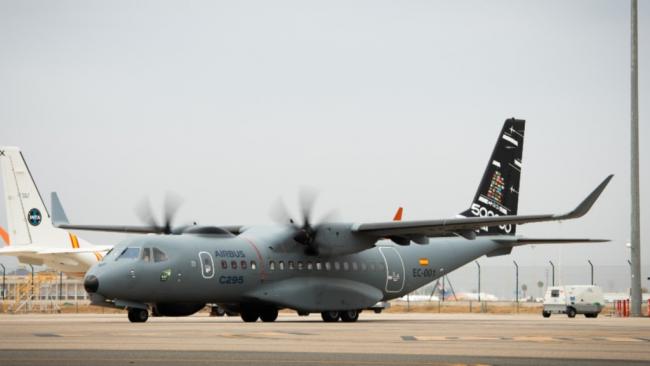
<point x="572" y="300"/>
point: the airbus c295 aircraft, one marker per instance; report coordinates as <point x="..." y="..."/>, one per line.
<point x="335" y="268"/>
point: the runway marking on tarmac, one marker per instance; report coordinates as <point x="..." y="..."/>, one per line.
<point x="539" y="339"/>
<point x="247" y="361"/>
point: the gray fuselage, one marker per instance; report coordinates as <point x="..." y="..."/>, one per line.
<point x="256" y="267"/>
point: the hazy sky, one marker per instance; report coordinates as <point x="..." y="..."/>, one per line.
<point x="375" y="104"/>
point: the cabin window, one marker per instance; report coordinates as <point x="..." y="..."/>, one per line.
<point x="271" y="266"/>
<point x="291" y="266"/>
<point x="346" y="266"/>
<point x="146" y="254"/>
<point x="364" y="266"/>
<point x="233" y="264"/>
<point x="253" y="265"/>
<point x="355" y="266"/>
<point x="159" y="255"/>
<point x="328" y="266"/>
<point x="337" y="266"/>
<point x="243" y="264"/>
<point x="129" y="253"/>
<point x="319" y="266"/>
<point x="224" y="265"/>
<point x="372" y="267"/>
<point x="310" y="266"/>
<point x="281" y="265"/>
<point x="555" y="293"/>
<point x="300" y="266"/>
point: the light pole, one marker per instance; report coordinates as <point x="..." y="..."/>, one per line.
<point x="479" y="280"/>
<point x="635" y="221"/>
<point x="516" y="283"/>
<point x="3" y="281"/>
<point x="592" y="271"/>
<point x="552" y="273"/>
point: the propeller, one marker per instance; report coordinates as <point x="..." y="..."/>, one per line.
<point x="305" y="230"/>
<point x="170" y="207"/>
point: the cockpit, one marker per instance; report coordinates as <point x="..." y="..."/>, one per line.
<point x="145" y="254"/>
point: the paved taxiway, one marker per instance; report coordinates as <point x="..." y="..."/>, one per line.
<point x="384" y="339"/>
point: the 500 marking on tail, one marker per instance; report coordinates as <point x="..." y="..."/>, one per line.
<point x="481" y="211"/>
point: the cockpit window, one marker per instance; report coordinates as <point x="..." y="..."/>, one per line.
<point x="159" y="255"/>
<point x="146" y="255"/>
<point x="129" y="253"/>
<point x="110" y="251"/>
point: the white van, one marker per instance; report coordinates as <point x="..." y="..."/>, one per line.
<point x="572" y="300"/>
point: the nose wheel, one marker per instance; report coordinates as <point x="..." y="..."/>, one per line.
<point x="138" y="315"/>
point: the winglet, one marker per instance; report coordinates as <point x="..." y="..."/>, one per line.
<point x="398" y="214"/>
<point x="58" y="214"/>
<point x="586" y="204"/>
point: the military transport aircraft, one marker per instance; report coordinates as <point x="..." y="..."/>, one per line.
<point x="335" y="268"/>
<point x="31" y="237"/>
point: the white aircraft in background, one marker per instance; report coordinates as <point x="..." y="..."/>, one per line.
<point x="31" y="236"/>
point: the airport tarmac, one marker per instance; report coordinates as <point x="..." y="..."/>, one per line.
<point x="376" y="339"/>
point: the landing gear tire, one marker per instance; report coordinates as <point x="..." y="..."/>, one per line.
<point x="249" y="316"/>
<point x="349" y="316"/>
<point x="571" y="312"/>
<point x="330" y="316"/>
<point x="546" y="314"/>
<point x="269" y="315"/>
<point x="138" y="315"/>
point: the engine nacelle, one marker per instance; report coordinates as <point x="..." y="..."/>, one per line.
<point x="177" y="309"/>
<point x="339" y="239"/>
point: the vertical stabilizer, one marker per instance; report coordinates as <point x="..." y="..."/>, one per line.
<point x="27" y="217"/>
<point x="498" y="192"/>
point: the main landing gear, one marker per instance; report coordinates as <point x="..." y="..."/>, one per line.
<point x="347" y="316"/>
<point x="250" y="315"/>
<point x="138" y="315"/>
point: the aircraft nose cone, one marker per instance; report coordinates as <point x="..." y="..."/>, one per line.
<point x="91" y="284"/>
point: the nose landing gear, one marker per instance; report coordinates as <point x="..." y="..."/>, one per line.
<point x="138" y="315"/>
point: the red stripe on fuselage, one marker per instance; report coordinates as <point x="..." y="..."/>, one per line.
<point x="259" y="257"/>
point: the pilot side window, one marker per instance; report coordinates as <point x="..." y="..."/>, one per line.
<point x="146" y="254"/>
<point x="159" y="255"/>
<point x="129" y="253"/>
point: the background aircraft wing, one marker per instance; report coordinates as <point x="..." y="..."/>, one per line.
<point x="466" y="226"/>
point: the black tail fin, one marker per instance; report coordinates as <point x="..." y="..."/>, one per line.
<point x="498" y="193"/>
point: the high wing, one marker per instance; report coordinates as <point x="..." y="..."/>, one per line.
<point x="466" y="226"/>
<point x="234" y="229"/>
